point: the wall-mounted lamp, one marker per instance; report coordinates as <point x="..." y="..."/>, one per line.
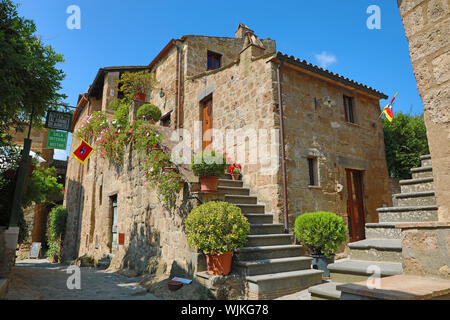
<point x="161" y="93"/>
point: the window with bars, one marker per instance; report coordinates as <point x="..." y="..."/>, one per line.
<point x="214" y="60"/>
<point x="349" y="109"/>
<point x="313" y="177"/>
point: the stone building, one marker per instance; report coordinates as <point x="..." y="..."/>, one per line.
<point x="427" y="28"/>
<point x="334" y="147"/>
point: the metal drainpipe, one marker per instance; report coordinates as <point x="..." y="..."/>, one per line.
<point x="178" y="85"/>
<point x="283" y="154"/>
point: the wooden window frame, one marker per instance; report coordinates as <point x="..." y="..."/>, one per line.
<point x="313" y="172"/>
<point x="213" y="55"/>
<point x="349" y="109"/>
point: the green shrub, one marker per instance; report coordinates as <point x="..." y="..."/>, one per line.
<point x="209" y="163"/>
<point x="217" y="227"/>
<point x="56" y="230"/>
<point x="150" y="112"/>
<point x="121" y="112"/>
<point x="320" y="232"/>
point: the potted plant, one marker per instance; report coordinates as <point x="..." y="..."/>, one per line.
<point x="235" y="171"/>
<point x="217" y="229"/>
<point x="209" y="165"/>
<point x="149" y="112"/>
<point x="137" y="84"/>
<point x="321" y="233"/>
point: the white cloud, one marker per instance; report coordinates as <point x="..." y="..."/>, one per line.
<point x="325" y="59"/>
<point x="60" y="154"/>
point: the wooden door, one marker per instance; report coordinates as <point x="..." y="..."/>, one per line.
<point x="355" y="205"/>
<point x="114" y="223"/>
<point x="207" y="111"/>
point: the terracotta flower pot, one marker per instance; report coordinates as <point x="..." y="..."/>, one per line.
<point x="219" y="264"/>
<point x="140" y="96"/>
<point x="157" y="149"/>
<point x="236" y="176"/>
<point x="209" y="184"/>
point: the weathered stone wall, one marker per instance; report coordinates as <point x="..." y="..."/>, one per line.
<point x="243" y="99"/>
<point x="318" y="129"/>
<point x="427" y="27"/>
<point x="426" y="249"/>
<point x="154" y="236"/>
<point x="166" y="71"/>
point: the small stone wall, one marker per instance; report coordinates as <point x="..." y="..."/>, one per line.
<point x="6" y="256"/>
<point x="426" y="249"/>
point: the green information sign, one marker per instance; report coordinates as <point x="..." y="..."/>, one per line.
<point x="57" y="139"/>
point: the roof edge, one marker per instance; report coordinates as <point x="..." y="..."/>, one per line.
<point x="333" y="76"/>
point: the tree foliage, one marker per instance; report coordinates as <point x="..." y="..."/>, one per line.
<point x="405" y="140"/>
<point x="29" y="77"/>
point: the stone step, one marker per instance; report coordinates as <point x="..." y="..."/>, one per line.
<point x="252" y="208"/>
<point x="268" y="252"/>
<point x="226" y="176"/>
<point x="238" y="199"/>
<point x="259" y="240"/>
<point x="416" y="185"/>
<point x="346" y="270"/>
<point x="408" y="214"/>
<point x="426" y="160"/>
<point x="274" y="285"/>
<point x="259" y="218"/>
<point x="260" y="267"/>
<point x="422" y="172"/>
<point x="383" y="250"/>
<point x="270" y="228"/>
<point x="230" y="183"/>
<point x="234" y="191"/>
<point x="424" y="198"/>
<point x="325" y="291"/>
<point x="382" y="230"/>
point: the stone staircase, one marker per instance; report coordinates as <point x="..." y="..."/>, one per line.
<point x="382" y="249"/>
<point x="272" y="264"/>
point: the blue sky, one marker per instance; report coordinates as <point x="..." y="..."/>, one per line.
<point x="329" y="33"/>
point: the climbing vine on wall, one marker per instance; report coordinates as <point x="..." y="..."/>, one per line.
<point x="110" y="138"/>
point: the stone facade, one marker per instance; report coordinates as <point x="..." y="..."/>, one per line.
<point x="427" y="26"/>
<point x="244" y="93"/>
<point x="426" y="249"/>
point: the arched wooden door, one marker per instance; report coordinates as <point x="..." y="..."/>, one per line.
<point x="207" y="122"/>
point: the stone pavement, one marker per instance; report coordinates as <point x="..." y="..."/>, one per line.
<point x="41" y="280"/>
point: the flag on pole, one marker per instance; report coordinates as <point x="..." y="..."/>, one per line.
<point x="83" y="151"/>
<point x="387" y="111"/>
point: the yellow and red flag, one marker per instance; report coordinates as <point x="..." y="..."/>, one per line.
<point x="387" y="111"/>
<point x="83" y="151"/>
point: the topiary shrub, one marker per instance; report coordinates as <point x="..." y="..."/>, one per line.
<point x="320" y="232"/>
<point x="217" y="227"/>
<point x="150" y="112"/>
<point x="209" y="163"/>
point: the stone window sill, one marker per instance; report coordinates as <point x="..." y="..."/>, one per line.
<point x="356" y="125"/>
<point x="314" y="187"/>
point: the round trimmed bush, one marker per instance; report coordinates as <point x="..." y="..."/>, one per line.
<point x="320" y="232"/>
<point x="209" y="163"/>
<point x="150" y="112"/>
<point x="217" y="227"/>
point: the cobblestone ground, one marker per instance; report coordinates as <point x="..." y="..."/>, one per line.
<point x="41" y="280"/>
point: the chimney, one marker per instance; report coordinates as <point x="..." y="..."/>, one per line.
<point x="242" y="30"/>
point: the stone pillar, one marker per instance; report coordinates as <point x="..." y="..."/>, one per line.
<point x="427" y="27"/>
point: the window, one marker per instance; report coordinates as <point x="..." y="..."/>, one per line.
<point x="100" y="196"/>
<point x="349" y="112"/>
<point x="312" y="172"/>
<point x="165" y="121"/>
<point x="214" y="60"/>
